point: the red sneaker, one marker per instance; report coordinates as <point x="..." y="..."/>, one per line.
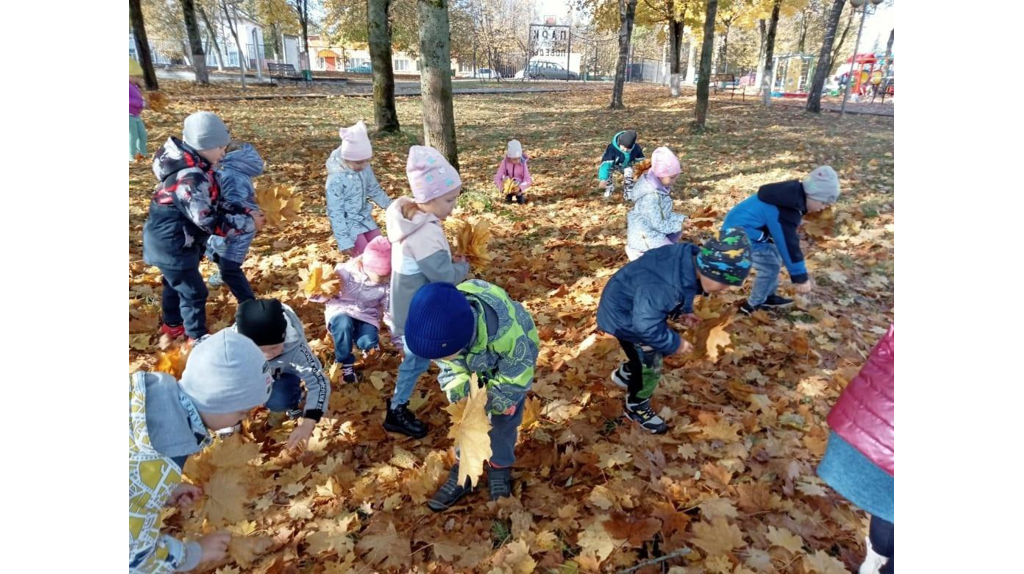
<point x="174" y="332"/>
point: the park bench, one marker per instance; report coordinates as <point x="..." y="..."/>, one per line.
<point x="727" y="82"/>
<point x="283" y="72"/>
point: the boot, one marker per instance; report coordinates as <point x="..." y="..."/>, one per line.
<point x="450" y="492"/>
<point x="499" y="482"/>
<point x="402" y="421"/>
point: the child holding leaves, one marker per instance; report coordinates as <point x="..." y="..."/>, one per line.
<point x="513" y="175"/>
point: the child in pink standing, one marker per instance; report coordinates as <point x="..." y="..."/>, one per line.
<point x="136" y="129"/>
<point x="513" y="176"/>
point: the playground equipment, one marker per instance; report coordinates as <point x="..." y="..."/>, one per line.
<point x="792" y="75"/>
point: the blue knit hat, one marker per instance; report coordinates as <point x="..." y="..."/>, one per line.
<point x="441" y="322"/>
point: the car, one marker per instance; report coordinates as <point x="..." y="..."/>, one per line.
<point x="360" y="69"/>
<point x="488" y="74"/>
<point x="547" y="71"/>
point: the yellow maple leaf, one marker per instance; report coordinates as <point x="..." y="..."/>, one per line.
<point x="471" y="240"/>
<point x="515" y="557"/>
<point x="717" y="337"/>
<point x="718" y="537"/>
<point x="246" y="549"/>
<point x="332" y="536"/>
<point x="387" y="546"/>
<point x="278" y="203"/>
<point x="226" y="497"/>
<point x="470" y="428"/>
<point x="821" y="563"/>
<point x="595" y="541"/>
<point x="320" y="279"/>
<point x="172" y="361"/>
<point x="783" y="538"/>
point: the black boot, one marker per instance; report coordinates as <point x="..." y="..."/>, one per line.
<point x="521" y="199"/>
<point x="499" y="482"/>
<point x="450" y="492"/>
<point x="508" y="198"/>
<point x="402" y="421"/>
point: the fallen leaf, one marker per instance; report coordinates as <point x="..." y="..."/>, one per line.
<point x="783" y="538"/>
<point x="387" y="548"/>
<point x="470" y="428"/>
<point x="717" y="537"/>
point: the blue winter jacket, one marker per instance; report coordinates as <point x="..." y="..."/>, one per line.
<point x="615" y="155"/>
<point x="640" y="298"/>
<point x="772" y="216"/>
<point x="238" y="196"/>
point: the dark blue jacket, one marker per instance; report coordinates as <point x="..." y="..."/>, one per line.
<point x="772" y="216"/>
<point x="615" y="155"/>
<point x="638" y="300"/>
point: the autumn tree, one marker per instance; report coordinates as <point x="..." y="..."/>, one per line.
<point x="379" y="34"/>
<point x="195" y="42"/>
<point x="302" y="11"/>
<point x="142" y="43"/>
<point x="212" y="34"/>
<point x="824" y="68"/>
<point x="704" y="74"/>
<point x="231" y="17"/>
<point x="769" y="52"/>
<point x="436" y="78"/>
<point x="675" y="14"/>
<point x="627" y="11"/>
<point x="278" y="18"/>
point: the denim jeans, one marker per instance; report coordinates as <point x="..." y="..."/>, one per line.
<point x="767" y="263"/>
<point x="504" y="433"/>
<point x="408" y="373"/>
<point x="345" y="331"/>
<point x="184" y="300"/>
<point x="286" y="394"/>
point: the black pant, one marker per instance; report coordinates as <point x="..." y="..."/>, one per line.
<point x="643" y="365"/>
<point x="881" y="534"/>
<point x="232" y="275"/>
<point x="184" y="300"/>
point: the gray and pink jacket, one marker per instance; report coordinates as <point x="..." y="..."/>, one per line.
<point x="420" y="254"/>
<point x="359" y="298"/>
<point x="520" y="173"/>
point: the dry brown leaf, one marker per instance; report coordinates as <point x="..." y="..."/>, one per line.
<point x="634" y="530"/>
<point x="387" y="548"/>
<point x="278" y="203"/>
<point x="321" y="280"/>
<point x="226" y="498"/>
<point x="470" y="428"/>
<point x="783" y="538"/>
<point x="821" y="563"/>
<point x="718" y="537"/>
<point x="472" y="241"/>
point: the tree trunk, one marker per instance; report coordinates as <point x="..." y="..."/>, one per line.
<point x="704" y="76"/>
<point x="305" y="33"/>
<point x="888" y="53"/>
<point x="276" y="46"/>
<point x="823" y="69"/>
<point x="803" y="32"/>
<point x="195" y="42"/>
<point x="842" y="40"/>
<point x="723" y="65"/>
<point x="436" y="78"/>
<point x="213" y="39"/>
<point x="769" y="53"/>
<point x="379" y="34"/>
<point x="675" y="31"/>
<point x="758" y="78"/>
<point x="234" y="34"/>
<point x="691" y="57"/>
<point x="142" y="44"/>
<point x="627" y="10"/>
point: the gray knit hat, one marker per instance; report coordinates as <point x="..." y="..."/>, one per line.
<point x="205" y="130"/>
<point x="226" y="373"/>
<point x="822" y="184"/>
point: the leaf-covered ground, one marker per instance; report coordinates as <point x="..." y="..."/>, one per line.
<point x="734" y="480"/>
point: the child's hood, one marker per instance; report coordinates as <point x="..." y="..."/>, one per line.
<point x="648" y="184"/>
<point x="786" y="194"/>
<point x="399" y="227"/>
<point x="176" y="156"/>
<point x="335" y="164"/>
<point x="505" y="163"/>
<point x="615" y="142"/>
<point x="245" y="160"/>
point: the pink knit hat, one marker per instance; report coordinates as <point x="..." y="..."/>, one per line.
<point x="430" y="175"/>
<point x="664" y="163"/>
<point x="355" y="144"/>
<point x="377" y="256"/>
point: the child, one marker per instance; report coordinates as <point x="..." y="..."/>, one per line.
<point x="477" y="328"/>
<point x="420" y="255"/>
<point x="620" y="155"/>
<point x="350" y="183"/>
<point x="513" y="175"/>
<point x="651" y="222"/>
<point x="136" y="129"/>
<point x="354" y="314"/>
<point x="278" y="332"/>
<point x="770" y="219"/>
<point x="640" y="298"/>
<point x="225" y="377"/>
<point x="860" y="460"/>
<point x="183" y="213"/>
<point x="239" y="166"/>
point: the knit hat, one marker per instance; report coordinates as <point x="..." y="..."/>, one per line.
<point x="226" y="373"/>
<point x="262" y="320"/>
<point x="627" y="139"/>
<point x="822" y="185"/>
<point x="440" y="321"/>
<point x="515" y="150"/>
<point x="355" y="144"/>
<point x="377" y="256"/>
<point x="726" y="257"/>
<point x="664" y="163"/>
<point x="134" y="69"/>
<point x="205" y="130"/>
<point x="430" y="175"/>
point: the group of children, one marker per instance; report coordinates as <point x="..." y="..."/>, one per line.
<point x="411" y="281"/>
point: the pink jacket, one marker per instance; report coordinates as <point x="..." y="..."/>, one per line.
<point x="865" y="413"/>
<point x="359" y="298"/>
<point x="135" y="100"/>
<point x="520" y="173"/>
